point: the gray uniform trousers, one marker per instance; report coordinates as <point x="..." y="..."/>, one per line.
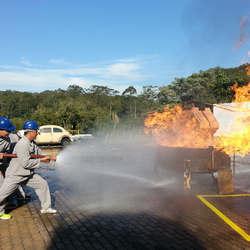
<point x="1" y="179"/>
<point x="14" y="138"/>
<point x="21" y="172"/>
<point x="34" y="181"/>
<point x="6" y="147"/>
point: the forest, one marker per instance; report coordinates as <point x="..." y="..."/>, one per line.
<point x="88" y="110"/>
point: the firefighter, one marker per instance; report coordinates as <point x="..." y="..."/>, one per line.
<point x="7" y="143"/>
<point x="21" y="171"/>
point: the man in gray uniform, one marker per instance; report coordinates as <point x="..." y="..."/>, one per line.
<point x="21" y="171"/>
<point x="7" y="143"/>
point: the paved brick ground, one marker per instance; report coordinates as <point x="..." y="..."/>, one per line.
<point x="171" y="221"/>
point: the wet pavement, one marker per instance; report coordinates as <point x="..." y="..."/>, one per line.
<point x="169" y="220"/>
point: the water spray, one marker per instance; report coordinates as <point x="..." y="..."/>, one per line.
<point x="112" y="173"/>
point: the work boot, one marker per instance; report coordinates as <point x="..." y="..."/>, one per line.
<point x="48" y="211"/>
<point x="4" y="216"/>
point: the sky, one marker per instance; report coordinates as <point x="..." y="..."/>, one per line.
<point x="47" y="44"/>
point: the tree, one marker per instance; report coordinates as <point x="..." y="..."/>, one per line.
<point x="150" y="92"/>
<point x="75" y="90"/>
<point x="98" y="106"/>
<point x="167" y="95"/>
<point x="102" y="90"/>
<point x="131" y="90"/>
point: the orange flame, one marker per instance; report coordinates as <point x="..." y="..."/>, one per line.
<point x="176" y="127"/>
<point x="237" y="141"/>
<point x="242" y="94"/>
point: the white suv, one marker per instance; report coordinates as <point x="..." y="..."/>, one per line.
<point x="52" y="134"/>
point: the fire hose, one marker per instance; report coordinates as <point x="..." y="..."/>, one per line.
<point x="52" y="159"/>
<point x="32" y="156"/>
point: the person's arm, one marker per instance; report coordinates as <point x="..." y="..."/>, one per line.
<point x="4" y="148"/>
<point x="38" y="151"/>
<point x="23" y="155"/>
<point x="4" y="145"/>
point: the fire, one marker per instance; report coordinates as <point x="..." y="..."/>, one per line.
<point x="194" y="128"/>
<point x="242" y="94"/>
<point x="237" y="140"/>
<point x="177" y="127"/>
<point x="248" y="67"/>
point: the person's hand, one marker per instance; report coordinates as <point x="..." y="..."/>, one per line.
<point x="53" y="158"/>
<point x="1" y="156"/>
<point x="45" y="159"/>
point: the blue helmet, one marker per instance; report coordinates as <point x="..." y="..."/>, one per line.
<point x="6" y="124"/>
<point x="30" y="125"/>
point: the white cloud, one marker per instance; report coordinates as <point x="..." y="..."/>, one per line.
<point x="59" y="61"/>
<point x="123" y="69"/>
<point x="78" y="81"/>
<point x="25" y="62"/>
<point x="30" y="80"/>
<point x="116" y="74"/>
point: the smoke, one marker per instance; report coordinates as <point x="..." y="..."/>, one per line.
<point x="112" y="173"/>
<point x="243" y="37"/>
<point x="242" y="173"/>
<point x="220" y="27"/>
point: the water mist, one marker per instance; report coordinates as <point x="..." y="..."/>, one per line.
<point x="112" y="173"/>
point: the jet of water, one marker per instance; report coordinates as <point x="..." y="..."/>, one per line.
<point x="111" y="173"/>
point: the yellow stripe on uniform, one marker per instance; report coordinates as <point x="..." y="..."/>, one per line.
<point x="224" y="217"/>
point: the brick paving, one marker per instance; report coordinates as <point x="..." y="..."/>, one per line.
<point x="171" y="221"/>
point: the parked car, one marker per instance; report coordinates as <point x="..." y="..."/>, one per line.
<point x="52" y="134"/>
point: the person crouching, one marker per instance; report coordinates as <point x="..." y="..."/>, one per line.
<point x="21" y="171"/>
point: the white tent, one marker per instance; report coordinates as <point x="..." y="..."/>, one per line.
<point x="228" y="116"/>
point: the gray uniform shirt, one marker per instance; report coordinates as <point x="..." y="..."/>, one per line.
<point x="23" y="165"/>
<point x="14" y="138"/>
<point x="5" y="147"/>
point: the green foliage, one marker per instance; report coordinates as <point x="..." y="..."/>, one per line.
<point x="210" y="86"/>
<point x="75" y="108"/>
